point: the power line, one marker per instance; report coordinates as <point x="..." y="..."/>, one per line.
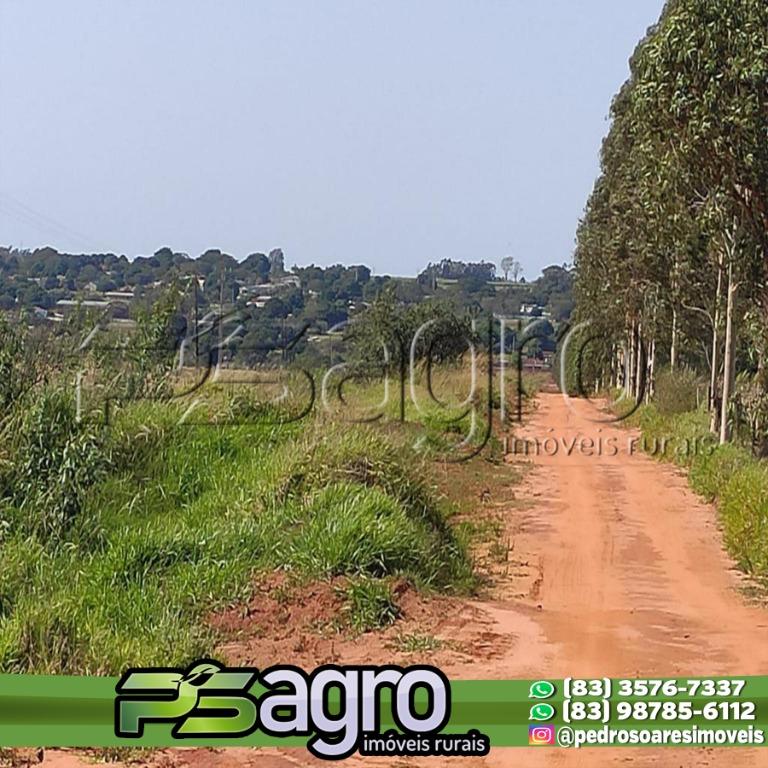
<point x="44" y="223"/>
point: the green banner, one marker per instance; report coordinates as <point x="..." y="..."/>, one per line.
<point x="44" y="711"/>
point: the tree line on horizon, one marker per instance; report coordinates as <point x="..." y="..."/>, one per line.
<point x="267" y="309"/>
<point x="672" y="252"/>
<point x="41" y="277"/>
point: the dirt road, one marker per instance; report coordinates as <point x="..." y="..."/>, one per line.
<point x="619" y="572"/>
<point x="627" y="577"/>
<point x="633" y="579"/>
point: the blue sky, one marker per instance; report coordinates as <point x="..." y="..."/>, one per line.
<point x="391" y="133"/>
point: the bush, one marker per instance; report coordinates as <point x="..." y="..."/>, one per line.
<point x="711" y="472"/>
<point x="119" y="540"/>
<point x="56" y="460"/>
<point x="743" y="506"/>
<point x="676" y="391"/>
<point x="680" y="438"/>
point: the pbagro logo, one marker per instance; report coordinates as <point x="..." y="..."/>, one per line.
<point x="338" y="708"/>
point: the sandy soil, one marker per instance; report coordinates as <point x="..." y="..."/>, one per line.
<point x="615" y="569"/>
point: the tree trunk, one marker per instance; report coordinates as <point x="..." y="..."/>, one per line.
<point x="729" y="362"/>
<point x="620" y="383"/>
<point x="712" y="405"/>
<point x="639" y="362"/>
<point x="673" y="345"/>
<point x="649" y="390"/>
<point x="630" y="372"/>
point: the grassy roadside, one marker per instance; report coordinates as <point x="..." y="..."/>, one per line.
<point x="728" y="475"/>
<point x="118" y="543"/>
<point x="179" y="520"/>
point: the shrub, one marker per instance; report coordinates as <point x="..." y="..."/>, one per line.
<point x="182" y="519"/>
<point x="57" y="459"/>
<point x="727" y="474"/>
<point x="118" y="540"/>
<point x="743" y="506"/>
<point x="680" y="438"/>
<point x="676" y="391"/>
<point x="711" y="471"/>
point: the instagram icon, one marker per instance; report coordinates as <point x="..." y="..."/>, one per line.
<point x="541" y="735"/>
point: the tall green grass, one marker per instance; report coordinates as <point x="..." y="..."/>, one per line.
<point x="727" y="474"/>
<point x="168" y="523"/>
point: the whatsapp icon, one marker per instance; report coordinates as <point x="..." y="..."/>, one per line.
<point x="542" y="689"/>
<point x="542" y="712"/>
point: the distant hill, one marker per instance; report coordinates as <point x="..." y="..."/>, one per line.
<point x="46" y="284"/>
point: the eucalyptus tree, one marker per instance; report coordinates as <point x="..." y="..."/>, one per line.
<point x="678" y="221"/>
<point x="703" y="88"/>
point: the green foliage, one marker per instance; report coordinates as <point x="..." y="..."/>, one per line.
<point x="429" y="329"/>
<point x="682" y="438"/>
<point x="676" y="391"/>
<point x="379" y="483"/>
<point x="370" y="604"/>
<point x="743" y="505"/>
<point x="118" y="541"/>
<point x="751" y="402"/>
<point x="683" y="193"/>
<point x="449" y="269"/>
<point x="353" y="529"/>
<point x="12" y="377"/>
<point x="151" y="350"/>
<point x="726" y="474"/>
<point x="712" y="471"/>
<point x="575" y="367"/>
<point x="28" y="358"/>
<point x="57" y="460"/>
<point x="182" y="520"/>
<point x="554" y="290"/>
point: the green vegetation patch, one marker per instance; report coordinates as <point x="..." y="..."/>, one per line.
<point x="118" y="543"/>
<point x="727" y="474"/>
<point x="370" y="604"/>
